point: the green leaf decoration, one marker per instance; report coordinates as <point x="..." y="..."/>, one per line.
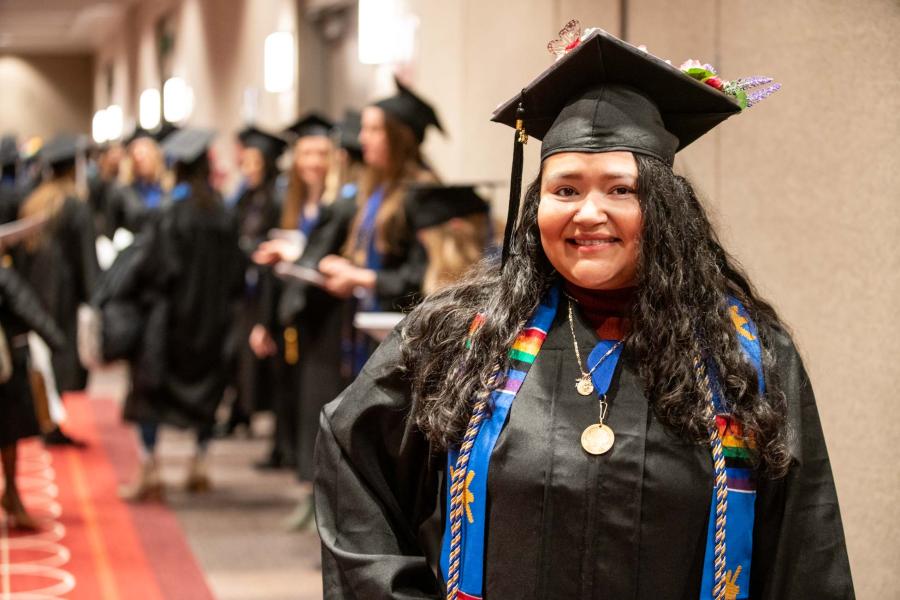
<point x="699" y="73"/>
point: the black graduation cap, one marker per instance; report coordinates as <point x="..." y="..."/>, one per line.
<point x="349" y="129"/>
<point x="606" y="95"/>
<point x="9" y="150"/>
<point x="157" y="135"/>
<point x="187" y="145"/>
<point x="411" y="110"/>
<point x="65" y="147"/>
<point x="429" y="205"/>
<point x="311" y="124"/>
<point x="269" y="144"/>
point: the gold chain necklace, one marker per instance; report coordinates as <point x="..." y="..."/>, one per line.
<point x="598" y="437"/>
<point x="584" y="385"/>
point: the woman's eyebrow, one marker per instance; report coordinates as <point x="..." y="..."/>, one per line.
<point x="581" y="175"/>
<point x="618" y="175"/>
<point x="565" y="175"/>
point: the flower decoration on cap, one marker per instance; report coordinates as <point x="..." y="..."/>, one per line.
<point x="747" y="90"/>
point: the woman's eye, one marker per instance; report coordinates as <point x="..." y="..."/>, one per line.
<point x="566" y="192"/>
<point x="622" y="190"/>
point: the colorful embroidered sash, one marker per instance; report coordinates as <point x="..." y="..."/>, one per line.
<point x="464" y="577"/>
<point x="470" y="542"/>
<point x="740" y="477"/>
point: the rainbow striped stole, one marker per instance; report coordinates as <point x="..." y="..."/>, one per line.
<point x="732" y="539"/>
<point x="462" y="548"/>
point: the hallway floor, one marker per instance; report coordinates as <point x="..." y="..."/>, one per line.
<point x="230" y="543"/>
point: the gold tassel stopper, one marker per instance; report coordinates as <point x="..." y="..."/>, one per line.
<point x="291" y="348"/>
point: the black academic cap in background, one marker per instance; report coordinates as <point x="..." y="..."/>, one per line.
<point x="187" y="145"/>
<point x="157" y="135"/>
<point x="64" y="147"/>
<point x="271" y="145"/>
<point x="349" y="129"/>
<point x="164" y="131"/>
<point x="9" y="150"/>
<point x="310" y="124"/>
<point x="429" y="205"/>
<point x="411" y="110"/>
<point x="606" y="95"/>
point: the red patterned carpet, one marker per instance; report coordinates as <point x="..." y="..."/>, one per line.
<point x="93" y="546"/>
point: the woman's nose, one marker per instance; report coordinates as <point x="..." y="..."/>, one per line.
<point x="591" y="210"/>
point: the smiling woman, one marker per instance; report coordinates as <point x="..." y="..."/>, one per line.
<point x="590" y="218"/>
<point x="678" y="456"/>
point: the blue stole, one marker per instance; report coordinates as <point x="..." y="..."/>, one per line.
<point x="305" y="226"/>
<point x="365" y="239"/>
<point x="150" y="193"/>
<point x="739" y="472"/>
<point x="180" y="192"/>
<point x="470" y="544"/>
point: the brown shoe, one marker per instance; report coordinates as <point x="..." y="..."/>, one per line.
<point x="148" y="487"/>
<point x="197" y="481"/>
<point x="16" y="515"/>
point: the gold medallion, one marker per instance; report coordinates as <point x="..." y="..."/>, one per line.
<point x="584" y="385"/>
<point x="597" y="439"/>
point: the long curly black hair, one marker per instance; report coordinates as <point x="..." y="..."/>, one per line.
<point x="685" y="278"/>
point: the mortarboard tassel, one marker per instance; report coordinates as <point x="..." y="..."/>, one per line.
<point x="515" y="180"/>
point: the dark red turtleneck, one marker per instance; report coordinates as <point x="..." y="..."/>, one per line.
<point x="606" y="310"/>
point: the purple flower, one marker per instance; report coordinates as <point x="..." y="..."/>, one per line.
<point x="745" y="83"/>
<point x="759" y="95"/>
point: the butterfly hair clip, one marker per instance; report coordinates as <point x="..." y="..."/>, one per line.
<point x="568" y="40"/>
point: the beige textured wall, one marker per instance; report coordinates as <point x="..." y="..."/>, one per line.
<point x="55" y="88"/>
<point x="805" y="190"/>
<point x="218" y="51"/>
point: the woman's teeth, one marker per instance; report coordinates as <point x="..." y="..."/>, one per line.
<point x="592" y="242"/>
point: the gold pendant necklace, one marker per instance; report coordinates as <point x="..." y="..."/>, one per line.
<point x="598" y="437"/>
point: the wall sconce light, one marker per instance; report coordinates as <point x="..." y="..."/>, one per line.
<point x="149" y="109"/>
<point x="113" y="122"/>
<point x="279" y="62"/>
<point x="98" y="126"/>
<point x="387" y="32"/>
<point x="178" y="100"/>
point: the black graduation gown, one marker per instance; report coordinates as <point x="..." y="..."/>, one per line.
<point x="562" y="524"/>
<point x="99" y="193"/>
<point x="196" y="269"/>
<point x="319" y="319"/>
<point x="21" y="312"/>
<point x="63" y="270"/>
<point x="125" y="208"/>
<point x="257" y="211"/>
<point x="9" y="202"/>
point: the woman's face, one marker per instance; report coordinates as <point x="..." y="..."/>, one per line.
<point x="312" y="158"/>
<point x="145" y="157"/>
<point x="373" y="138"/>
<point x="253" y="166"/>
<point x="590" y="219"/>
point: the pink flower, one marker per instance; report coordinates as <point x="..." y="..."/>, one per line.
<point x="691" y="63"/>
<point x="714" y="82"/>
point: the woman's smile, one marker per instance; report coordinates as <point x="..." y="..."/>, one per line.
<point x="590" y="244"/>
